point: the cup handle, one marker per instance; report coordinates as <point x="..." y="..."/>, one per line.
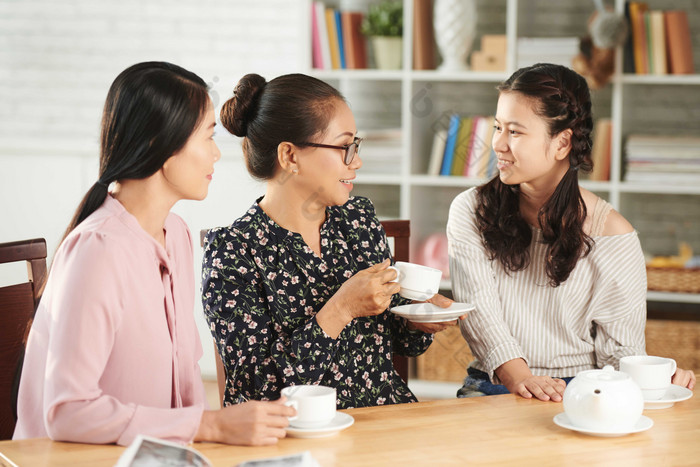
<point x="294" y="405"/>
<point x="398" y="273"/>
<point x="673" y="367"/>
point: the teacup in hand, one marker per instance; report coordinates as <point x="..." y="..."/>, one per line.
<point x="315" y="405"/>
<point x="652" y="374"/>
<point x="417" y="282"/>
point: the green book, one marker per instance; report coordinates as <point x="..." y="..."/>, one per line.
<point x="461" y="151"/>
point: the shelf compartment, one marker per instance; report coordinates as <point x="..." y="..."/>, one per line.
<point x="386" y="198"/>
<point x="363" y="75"/>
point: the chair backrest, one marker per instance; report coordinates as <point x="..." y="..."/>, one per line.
<point x="17" y="306"/>
<point x="400" y="231"/>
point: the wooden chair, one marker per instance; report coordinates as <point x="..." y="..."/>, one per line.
<point x="17" y="306"/>
<point x="400" y="231"/>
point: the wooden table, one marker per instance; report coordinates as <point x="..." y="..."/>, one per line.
<point x="505" y="430"/>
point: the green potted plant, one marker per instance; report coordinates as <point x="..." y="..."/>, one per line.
<point x="383" y="25"/>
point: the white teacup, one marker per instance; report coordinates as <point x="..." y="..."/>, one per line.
<point x="652" y="374"/>
<point x="315" y="405"/>
<point x="417" y="282"/>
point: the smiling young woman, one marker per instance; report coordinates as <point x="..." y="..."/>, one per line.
<point x="557" y="276"/>
<point x="113" y="348"/>
<point x="297" y="289"/>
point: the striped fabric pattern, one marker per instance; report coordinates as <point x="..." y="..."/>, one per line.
<point x="593" y="319"/>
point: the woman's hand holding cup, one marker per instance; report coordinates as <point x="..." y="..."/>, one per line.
<point x="367" y="293"/>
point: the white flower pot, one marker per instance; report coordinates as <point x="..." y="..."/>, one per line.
<point x="387" y="52"/>
<point x="455" y="26"/>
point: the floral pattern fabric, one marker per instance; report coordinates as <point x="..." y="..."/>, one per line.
<point x="262" y="287"/>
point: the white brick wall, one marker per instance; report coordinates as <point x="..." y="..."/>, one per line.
<point x="57" y="61"/>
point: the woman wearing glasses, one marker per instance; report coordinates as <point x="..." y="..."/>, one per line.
<point x="296" y="290"/>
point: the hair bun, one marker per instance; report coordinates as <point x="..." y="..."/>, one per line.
<point x="238" y="111"/>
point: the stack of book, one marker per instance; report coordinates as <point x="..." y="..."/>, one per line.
<point x="381" y="151"/>
<point x="463" y="148"/>
<point x="559" y="50"/>
<point x="660" y="42"/>
<point x="336" y="40"/>
<point x="663" y="159"/>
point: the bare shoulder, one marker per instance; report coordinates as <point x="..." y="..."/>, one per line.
<point x="616" y="224"/>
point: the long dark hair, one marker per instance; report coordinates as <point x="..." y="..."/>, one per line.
<point x="151" y="110"/>
<point x="562" y="99"/>
<point x="292" y="108"/>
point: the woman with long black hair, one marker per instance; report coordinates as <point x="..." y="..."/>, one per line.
<point x="113" y="351"/>
<point x="557" y="275"/>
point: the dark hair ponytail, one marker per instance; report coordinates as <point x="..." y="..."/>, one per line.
<point x="562" y="99"/>
<point x="293" y="108"/>
<point x="150" y="112"/>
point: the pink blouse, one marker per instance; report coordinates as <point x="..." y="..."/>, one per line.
<point x="113" y="351"/>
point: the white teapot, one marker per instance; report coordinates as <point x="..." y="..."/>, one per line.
<point x="603" y="400"/>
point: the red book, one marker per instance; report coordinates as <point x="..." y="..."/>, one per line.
<point x="679" y="48"/>
<point x="316" y="53"/>
<point x="353" y="40"/>
<point x="423" y="40"/>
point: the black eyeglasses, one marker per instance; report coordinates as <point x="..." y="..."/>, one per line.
<point x="350" y="149"/>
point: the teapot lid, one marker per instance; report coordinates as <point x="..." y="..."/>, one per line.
<point x="607" y="374"/>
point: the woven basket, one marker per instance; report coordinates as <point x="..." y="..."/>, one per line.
<point x="446" y="359"/>
<point x="674" y="279"/>
<point x="679" y="340"/>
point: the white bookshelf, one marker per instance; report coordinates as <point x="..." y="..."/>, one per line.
<point x="425" y="199"/>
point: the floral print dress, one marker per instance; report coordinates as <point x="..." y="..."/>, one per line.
<point x="262" y="287"/>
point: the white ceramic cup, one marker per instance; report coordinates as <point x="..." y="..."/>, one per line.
<point x="652" y="374"/>
<point x="417" y="282"/>
<point x="315" y="405"/>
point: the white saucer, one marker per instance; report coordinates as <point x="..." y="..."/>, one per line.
<point x="674" y="394"/>
<point x="643" y="424"/>
<point x="340" y="422"/>
<point x="429" y="313"/>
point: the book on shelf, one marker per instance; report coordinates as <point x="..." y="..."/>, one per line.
<point x="658" y="42"/>
<point x="336" y="38"/>
<point x="601" y="152"/>
<point x="423" y="38"/>
<point x="639" y="39"/>
<point x="450" y="143"/>
<point x="678" y="42"/>
<point x="437" y="152"/>
<point x="628" y="53"/>
<point x="460" y="158"/>
<point x="463" y="148"/>
<point x="647" y="35"/>
<point x="662" y="159"/>
<point x="480" y="149"/>
<point x="316" y="55"/>
<point x="333" y="38"/>
<point x="381" y="150"/>
<point x="339" y="34"/>
<point x="321" y="33"/>
<point x="353" y="40"/>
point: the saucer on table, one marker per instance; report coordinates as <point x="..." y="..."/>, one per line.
<point x="674" y="394"/>
<point x="429" y="313"/>
<point x="340" y="422"/>
<point x="643" y="424"/>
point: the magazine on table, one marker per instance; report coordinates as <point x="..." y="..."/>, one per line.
<point x="145" y="451"/>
